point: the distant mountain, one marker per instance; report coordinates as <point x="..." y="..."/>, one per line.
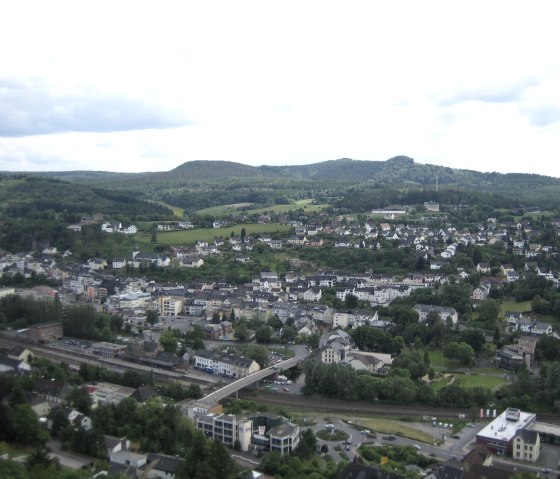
<point x="197" y="183"/>
<point x="400" y="169"/>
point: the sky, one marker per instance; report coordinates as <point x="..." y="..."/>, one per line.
<point x="135" y="86"/>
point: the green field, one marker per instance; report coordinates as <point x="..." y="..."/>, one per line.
<point x="239" y="208"/>
<point x="208" y="234"/>
<point x="471" y="380"/>
<point x="511" y="305"/>
<point x="223" y="209"/>
<point x="437" y="361"/>
<point x="178" y="212"/>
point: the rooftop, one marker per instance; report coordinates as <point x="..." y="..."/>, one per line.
<point x="505" y="429"/>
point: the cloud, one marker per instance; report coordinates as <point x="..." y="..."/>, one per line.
<point x="488" y="93"/>
<point x="29" y="107"/>
<point x="542" y="115"/>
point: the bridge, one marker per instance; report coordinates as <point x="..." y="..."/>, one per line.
<point x="225" y="391"/>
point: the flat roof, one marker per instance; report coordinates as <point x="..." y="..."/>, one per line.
<point x="546" y="428"/>
<point x="503" y="429"/>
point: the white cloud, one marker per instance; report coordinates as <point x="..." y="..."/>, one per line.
<point x="108" y="85"/>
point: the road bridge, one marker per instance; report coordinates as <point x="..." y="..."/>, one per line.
<point x="233" y="387"/>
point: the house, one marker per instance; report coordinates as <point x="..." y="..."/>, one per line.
<point x="192" y="262"/>
<point x="52" y="390"/>
<point x="118" y="263"/>
<point x="512" y="276"/>
<point x="162" y="466"/>
<point x="512" y="318"/>
<point x="483" y="268"/>
<point x="526" y="445"/>
<point x="79" y="420"/>
<point x="444" y="312"/>
<point x="313" y="294"/>
<point x="373" y="363"/>
<point x="115" y="444"/>
<point x="480" y="293"/>
<point x="335" y="352"/>
<point x="534" y="327"/>
<point x="96" y="264"/>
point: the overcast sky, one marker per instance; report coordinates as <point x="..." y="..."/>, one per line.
<point x="145" y="86"/>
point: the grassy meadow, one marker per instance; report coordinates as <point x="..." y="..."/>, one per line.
<point x="239" y="208"/>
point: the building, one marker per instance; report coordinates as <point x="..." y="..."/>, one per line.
<point x="108" y="393"/>
<point x="162" y="465"/>
<point x="227" y="429"/>
<point x="526" y="445"/>
<point x="444" y="312"/>
<point x="222" y="363"/>
<point x="262" y="432"/>
<point x="169" y="306"/>
<point x="44" y="332"/>
<point x="107" y="350"/>
<point x="513" y="356"/>
<point x="499" y="435"/>
<point x="335" y="351"/>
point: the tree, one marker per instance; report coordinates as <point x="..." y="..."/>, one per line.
<point x="426" y="358"/>
<point x="307" y="444"/>
<point x="488" y="310"/>
<point x="350" y="301"/>
<point x="168" y="341"/>
<point x="263" y="334"/>
<point x="312" y="340"/>
<point x="288" y="334"/>
<point x="258" y="353"/>
<point x="272" y="463"/>
<point x="241" y="332"/>
<point x="26" y="426"/>
<point x="152" y="316"/>
<point x="80" y="399"/>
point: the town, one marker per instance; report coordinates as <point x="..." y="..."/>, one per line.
<point x="113" y="340"/>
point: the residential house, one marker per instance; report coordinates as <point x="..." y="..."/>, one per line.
<point x="96" y="264"/>
<point x="78" y="419"/>
<point x="118" y="263"/>
<point x="526" y="445"/>
<point x="192" y="262"/>
<point x="534" y="327"/>
<point x="480" y="293"/>
<point x="52" y="390"/>
<point x="162" y="466"/>
<point x="483" y="268"/>
<point x="335" y="351"/>
<point x="313" y="295"/>
<point x="445" y="313"/>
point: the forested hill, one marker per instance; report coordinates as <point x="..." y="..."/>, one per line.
<point x="397" y="170"/>
<point x="199" y="184"/>
<point x="26" y="196"/>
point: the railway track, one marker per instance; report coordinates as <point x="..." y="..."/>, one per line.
<point x="310" y="403"/>
<point x="80" y="357"/>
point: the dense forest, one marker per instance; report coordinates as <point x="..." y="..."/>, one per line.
<point x="199" y="184"/>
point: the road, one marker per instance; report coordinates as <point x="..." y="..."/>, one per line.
<point x="69" y="459"/>
<point x="228" y="389"/>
